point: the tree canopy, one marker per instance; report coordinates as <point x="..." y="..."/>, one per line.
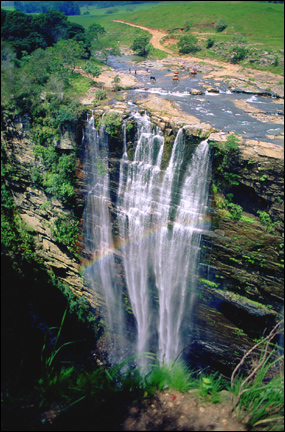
<point x="67" y="7"/>
<point x="26" y="33"/>
<point x="141" y="45"/>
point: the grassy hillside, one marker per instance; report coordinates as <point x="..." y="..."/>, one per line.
<point x="258" y="22"/>
<point x="256" y="25"/>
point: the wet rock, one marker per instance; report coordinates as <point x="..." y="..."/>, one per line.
<point x="195" y="92"/>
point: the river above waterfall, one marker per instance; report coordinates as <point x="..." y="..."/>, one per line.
<point x="252" y="116"/>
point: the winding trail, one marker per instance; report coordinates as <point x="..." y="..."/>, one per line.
<point x="156" y="35"/>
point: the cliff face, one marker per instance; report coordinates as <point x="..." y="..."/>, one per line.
<point x="38" y="209"/>
<point x="242" y="261"/>
<point x="240" y="290"/>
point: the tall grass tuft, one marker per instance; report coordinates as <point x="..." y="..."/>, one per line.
<point x="259" y="398"/>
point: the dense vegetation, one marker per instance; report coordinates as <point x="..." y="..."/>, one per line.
<point x="45" y="365"/>
<point x="67" y="7"/>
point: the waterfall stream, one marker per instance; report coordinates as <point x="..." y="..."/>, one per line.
<point x="160" y="218"/>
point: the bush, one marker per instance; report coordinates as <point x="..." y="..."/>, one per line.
<point x="100" y="94"/>
<point x="92" y="69"/>
<point x="235" y="210"/>
<point x="266" y="220"/>
<point x="239" y="54"/>
<point x="210" y="43"/>
<point x="113" y="123"/>
<point x="66" y="231"/>
<point x="232" y="142"/>
<point x="188" y="44"/>
<point x="220" y="25"/>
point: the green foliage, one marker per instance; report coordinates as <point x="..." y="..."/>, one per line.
<point x="175" y="375"/>
<point x="100" y="95"/>
<point x="235" y="210"/>
<point x="209" y="283"/>
<point x="141" y="45"/>
<point x="210" y="42"/>
<point x="70" y="51"/>
<point x="263" y="178"/>
<point x="232" y="142"/>
<point x="66" y="231"/>
<point x="232" y="178"/>
<point x="260" y="395"/>
<point x="266" y="220"/>
<point x="188" y="44"/>
<point x="220" y="25"/>
<point x="101" y="167"/>
<point x="92" y="69"/>
<point x="94" y="30"/>
<point x="113" y="123"/>
<point x="53" y="383"/>
<point x="116" y="82"/>
<point x="210" y="387"/>
<point x="239" y="53"/>
<point x="68" y="8"/>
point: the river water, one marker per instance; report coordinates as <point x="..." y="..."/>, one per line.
<point x="217" y="109"/>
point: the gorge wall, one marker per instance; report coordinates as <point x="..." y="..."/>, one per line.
<point x="240" y="284"/>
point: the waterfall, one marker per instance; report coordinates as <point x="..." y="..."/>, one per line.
<point x="98" y="241"/>
<point x="160" y="218"/>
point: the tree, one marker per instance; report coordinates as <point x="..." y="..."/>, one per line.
<point x="70" y="51"/>
<point x="52" y="25"/>
<point x="141" y="45"/>
<point x="93" y="32"/>
<point x="107" y="51"/>
<point x="188" y="44"/>
<point x="115" y="83"/>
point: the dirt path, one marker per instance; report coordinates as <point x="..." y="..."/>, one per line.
<point x="156" y="35"/>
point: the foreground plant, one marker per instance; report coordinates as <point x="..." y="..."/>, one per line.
<point x="259" y="398"/>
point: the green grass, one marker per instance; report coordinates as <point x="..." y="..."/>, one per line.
<point x="259" y="397"/>
<point x="78" y="86"/>
<point x="251" y="20"/>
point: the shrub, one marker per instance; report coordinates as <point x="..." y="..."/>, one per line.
<point x="66" y="231"/>
<point x="92" y="69"/>
<point x="100" y="94"/>
<point x="115" y="83"/>
<point x="235" y="210"/>
<point x="276" y="61"/>
<point x="232" y="142"/>
<point x="259" y="397"/>
<point x="210" y="43"/>
<point x="220" y="25"/>
<point x="113" y="123"/>
<point x="239" y="54"/>
<point x="266" y="220"/>
<point x="188" y="44"/>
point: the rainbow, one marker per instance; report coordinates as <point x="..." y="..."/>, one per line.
<point x="119" y="245"/>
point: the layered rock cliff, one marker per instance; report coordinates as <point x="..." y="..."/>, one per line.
<point x="239" y="295"/>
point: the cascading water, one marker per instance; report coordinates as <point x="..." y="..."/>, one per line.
<point x="160" y="217"/>
<point x="98" y="241"/>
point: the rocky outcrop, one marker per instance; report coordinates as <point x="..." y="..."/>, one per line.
<point x="37" y="209"/>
